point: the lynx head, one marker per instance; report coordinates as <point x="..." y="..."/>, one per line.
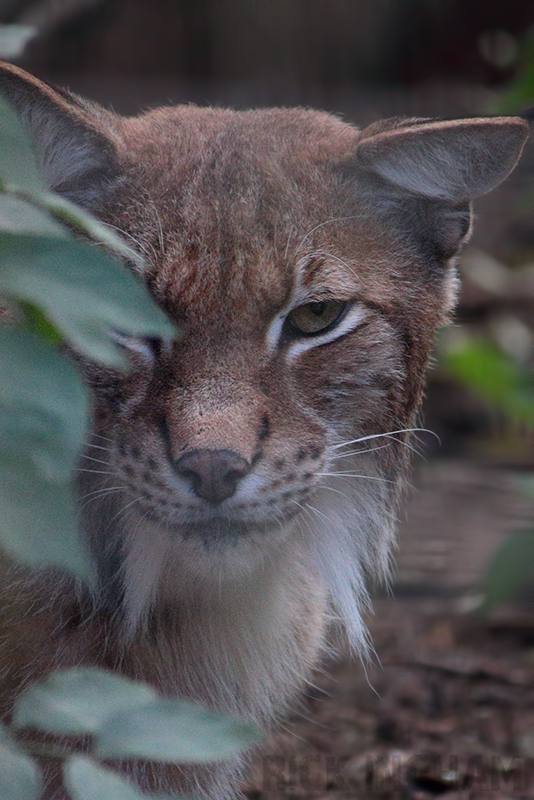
<point x="308" y="265"/>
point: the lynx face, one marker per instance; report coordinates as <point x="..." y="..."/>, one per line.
<point x="296" y="304"/>
<point x="307" y="265"/>
<point x="290" y="348"/>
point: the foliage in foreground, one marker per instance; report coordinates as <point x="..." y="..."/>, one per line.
<point x="121" y="719"/>
<point x="58" y="288"/>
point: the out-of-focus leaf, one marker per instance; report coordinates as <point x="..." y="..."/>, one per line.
<point x="97" y="231"/>
<point x="43" y="404"/>
<point x="510" y="568"/>
<point x="13" y="40"/>
<point x="20" y="217"/>
<point x="37" y="520"/>
<point x="19" y="776"/>
<point x="78" y="701"/>
<point x="174" y="731"/>
<point x="39" y="324"/>
<point x="18" y="166"/>
<point x="43" y="408"/>
<point x="82" y="290"/>
<point x="518" y="95"/>
<point x="493" y="376"/>
<point x="87" y="781"/>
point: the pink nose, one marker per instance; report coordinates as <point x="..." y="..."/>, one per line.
<point x="212" y="474"/>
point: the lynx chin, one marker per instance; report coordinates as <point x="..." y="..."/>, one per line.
<point x="244" y="481"/>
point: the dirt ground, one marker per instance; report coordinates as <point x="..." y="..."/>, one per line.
<point x="448" y="713"/>
<point x="446" y="707"/>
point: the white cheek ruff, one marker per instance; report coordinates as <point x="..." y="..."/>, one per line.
<point x="352" y="319"/>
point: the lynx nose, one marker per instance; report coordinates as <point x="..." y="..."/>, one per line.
<point x="213" y="474"/>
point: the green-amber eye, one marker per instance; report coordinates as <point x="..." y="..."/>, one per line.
<point x="313" y="318"/>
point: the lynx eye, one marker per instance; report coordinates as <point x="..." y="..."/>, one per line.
<point x="313" y="318"/>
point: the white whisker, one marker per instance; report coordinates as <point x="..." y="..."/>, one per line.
<point x="316" y="510"/>
<point x="322" y="224"/>
<point x="388" y="434"/>
<point x="363" y="451"/>
<point x="124" y="508"/>
<point x="159" y="224"/>
<point x="95" y="471"/>
<point x="97" y="447"/>
<point x="100" y="493"/>
<point x="96" y="460"/>
<point x="407" y="445"/>
<point x="292" y="733"/>
<point x="352" y="475"/>
<point x="141" y="245"/>
<point x="291" y="232"/>
<point x="332" y="256"/>
<point x="337" y="491"/>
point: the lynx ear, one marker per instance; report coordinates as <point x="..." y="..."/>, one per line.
<point x="424" y="173"/>
<point x="73" y="138"/>
<point x="451" y="161"/>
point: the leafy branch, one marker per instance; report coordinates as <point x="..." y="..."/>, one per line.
<point x="121" y="719"/>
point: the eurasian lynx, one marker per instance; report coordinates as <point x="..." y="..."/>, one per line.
<point x="247" y="478"/>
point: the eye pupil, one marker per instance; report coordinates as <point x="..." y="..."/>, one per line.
<point x="317" y="308"/>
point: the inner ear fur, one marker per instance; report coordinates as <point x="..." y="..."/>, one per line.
<point x="73" y="139"/>
<point x="431" y="170"/>
<point x="453" y="161"/>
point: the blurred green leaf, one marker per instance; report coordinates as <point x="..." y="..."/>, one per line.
<point x="18" y="165"/>
<point x="43" y="404"/>
<point x="37" y="519"/>
<point x="85" y="780"/>
<point x="19" y="775"/>
<point x="519" y="94"/>
<point x="510" y="569"/>
<point x="77" y="218"/>
<point x="78" y="701"/>
<point x="174" y="731"/>
<point x="19" y="216"/>
<point x="493" y="376"/>
<point x="37" y="322"/>
<point x="43" y="408"/>
<point x="13" y="40"/>
<point x="82" y="290"/>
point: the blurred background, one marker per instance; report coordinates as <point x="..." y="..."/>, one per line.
<point x="457" y="642"/>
